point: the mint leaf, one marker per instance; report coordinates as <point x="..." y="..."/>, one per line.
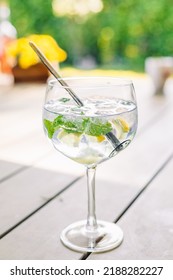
<point x="73" y="126"/>
<point x="89" y="126"/>
<point x="64" y="99"/>
<point x="97" y="128"/>
<point x="49" y="126"/>
<point x="58" y="122"/>
<point x="53" y="126"/>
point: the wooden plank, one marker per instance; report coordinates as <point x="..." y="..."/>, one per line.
<point x="148" y="224"/>
<point x="24" y="193"/>
<point x="144" y="155"/>
<point x="8" y="168"/>
<point x="22" y="138"/>
<point x="57" y="162"/>
<point x="38" y="236"/>
<point x="26" y="150"/>
<point x="150" y="106"/>
<point x="4" y="90"/>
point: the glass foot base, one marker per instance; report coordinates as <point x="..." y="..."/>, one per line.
<point x="107" y="236"/>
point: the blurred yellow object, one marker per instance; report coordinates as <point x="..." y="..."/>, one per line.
<point x="123" y="124"/>
<point x="101" y="138"/>
<point x="25" y="56"/>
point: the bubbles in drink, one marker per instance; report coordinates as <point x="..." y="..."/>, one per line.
<point x="81" y="133"/>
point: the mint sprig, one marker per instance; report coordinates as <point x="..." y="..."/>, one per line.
<point x="64" y="99"/>
<point x="97" y="127"/>
<point x="89" y="126"/>
<point x="49" y="127"/>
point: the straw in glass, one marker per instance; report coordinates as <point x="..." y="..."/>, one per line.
<point x="117" y="145"/>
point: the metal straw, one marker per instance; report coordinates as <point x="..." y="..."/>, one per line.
<point x="118" y="146"/>
<point x="55" y="73"/>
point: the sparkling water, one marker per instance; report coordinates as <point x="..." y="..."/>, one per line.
<point x="81" y="133"/>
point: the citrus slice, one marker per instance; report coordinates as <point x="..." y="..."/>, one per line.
<point x="70" y="139"/>
<point x="100" y="138"/>
<point x="122" y="127"/>
<point x="122" y="124"/>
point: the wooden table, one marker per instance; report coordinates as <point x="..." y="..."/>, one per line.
<point x="41" y="191"/>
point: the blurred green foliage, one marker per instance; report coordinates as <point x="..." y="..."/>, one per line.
<point x="122" y="35"/>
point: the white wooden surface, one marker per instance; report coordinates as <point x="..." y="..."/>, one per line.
<point x="148" y="224"/>
<point x="38" y="197"/>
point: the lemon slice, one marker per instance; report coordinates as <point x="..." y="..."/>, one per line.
<point x="70" y="139"/>
<point x="100" y="138"/>
<point x="123" y="124"/>
<point x="122" y="127"/>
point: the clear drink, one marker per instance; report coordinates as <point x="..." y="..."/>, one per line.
<point x="89" y="120"/>
<point x="81" y="133"/>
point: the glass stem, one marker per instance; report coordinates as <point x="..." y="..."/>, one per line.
<point x="91" y="219"/>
